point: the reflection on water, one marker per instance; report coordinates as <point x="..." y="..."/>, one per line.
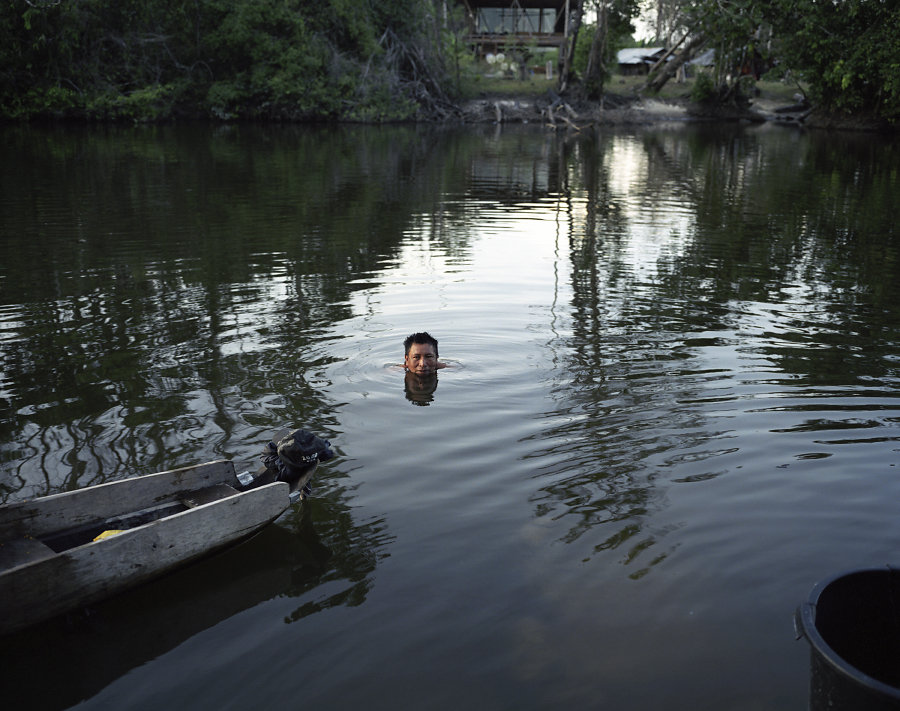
<point x="736" y="317"/>
<point x="419" y="389"/>
<point x="679" y="400"/>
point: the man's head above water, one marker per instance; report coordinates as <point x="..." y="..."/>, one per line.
<point x="421" y="354"/>
<point x="422" y="338"/>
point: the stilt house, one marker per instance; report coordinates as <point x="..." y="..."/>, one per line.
<point x="495" y="25"/>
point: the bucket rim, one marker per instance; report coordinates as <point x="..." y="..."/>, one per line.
<point x="806" y="614"/>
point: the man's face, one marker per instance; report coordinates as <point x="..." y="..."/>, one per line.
<point x="421" y="359"/>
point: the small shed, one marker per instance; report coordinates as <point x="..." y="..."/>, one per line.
<point x="638" y="60"/>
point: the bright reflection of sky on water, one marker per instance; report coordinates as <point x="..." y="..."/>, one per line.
<point x="655" y="227"/>
<point x="424" y="275"/>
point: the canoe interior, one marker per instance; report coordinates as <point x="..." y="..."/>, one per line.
<point x="37" y="518"/>
<point x="27" y="548"/>
<point x="79" y="535"/>
<point x="60" y="581"/>
<point x="51" y="559"/>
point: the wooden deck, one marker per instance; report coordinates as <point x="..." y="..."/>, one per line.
<point x="489" y="40"/>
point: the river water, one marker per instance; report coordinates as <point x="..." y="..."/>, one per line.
<point x="672" y="405"/>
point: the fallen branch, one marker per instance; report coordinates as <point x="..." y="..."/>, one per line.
<point x="565" y="119"/>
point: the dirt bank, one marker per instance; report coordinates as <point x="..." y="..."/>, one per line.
<point x="617" y="109"/>
<point x="631" y="109"/>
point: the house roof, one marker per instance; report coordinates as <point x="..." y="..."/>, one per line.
<point x="638" y="55"/>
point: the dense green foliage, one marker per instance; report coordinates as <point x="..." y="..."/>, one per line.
<point x="846" y="51"/>
<point x="376" y="61"/>
<point x="279" y="59"/>
<point x="849" y="52"/>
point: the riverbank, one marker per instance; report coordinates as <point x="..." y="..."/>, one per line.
<point x="617" y="109"/>
<point x="536" y="102"/>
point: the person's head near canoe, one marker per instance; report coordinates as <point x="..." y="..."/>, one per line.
<point x="421" y="354"/>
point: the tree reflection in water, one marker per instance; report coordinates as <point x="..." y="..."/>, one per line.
<point x="664" y="328"/>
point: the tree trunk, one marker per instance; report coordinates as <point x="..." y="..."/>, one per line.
<point x="665" y="56"/>
<point x="568" y="49"/>
<point x="657" y="81"/>
<point x="594" y="75"/>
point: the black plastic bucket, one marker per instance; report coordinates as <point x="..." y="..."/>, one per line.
<point x="852" y="622"/>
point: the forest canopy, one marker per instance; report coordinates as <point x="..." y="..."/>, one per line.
<point x="359" y="60"/>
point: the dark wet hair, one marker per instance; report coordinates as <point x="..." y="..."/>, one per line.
<point x="422" y="337"/>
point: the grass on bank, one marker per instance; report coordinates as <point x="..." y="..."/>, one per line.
<point x="537" y="85"/>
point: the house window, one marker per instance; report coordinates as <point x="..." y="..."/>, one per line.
<point x="515" y="20"/>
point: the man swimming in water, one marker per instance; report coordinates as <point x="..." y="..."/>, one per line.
<point x="421" y="354"/>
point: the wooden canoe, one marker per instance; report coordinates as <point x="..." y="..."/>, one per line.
<point x="54" y="556"/>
